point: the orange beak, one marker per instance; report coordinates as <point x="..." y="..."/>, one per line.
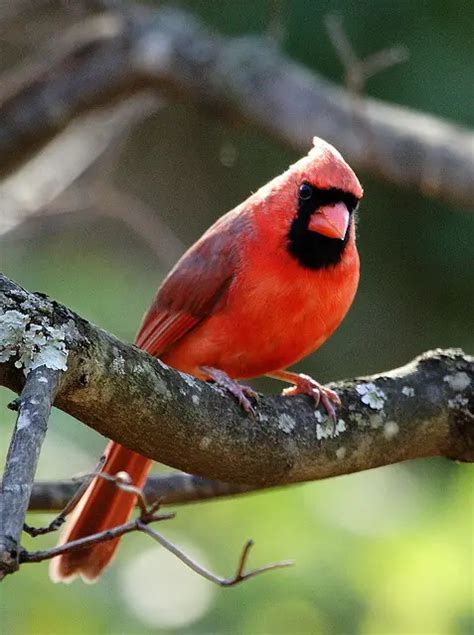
<point x="331" y="221"/>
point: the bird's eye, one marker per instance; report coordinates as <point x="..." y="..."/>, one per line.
<point x="305" y="191"/>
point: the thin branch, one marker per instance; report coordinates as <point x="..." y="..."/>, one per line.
<point x="357" y="71"/>
<point x="145" y="222"/>
<point x="63" y="188"/>
<point x="33" y="413"/>
<point x="88" y="541"/>
<point x="148" y="514"/>
<point x="383" y="60"/>
<point x="340" y="40"/>
<point x="123" y="52"/>
<point x="123" y="481"/>
<point x="86" y="200"/>
<point x="240" y="574"/>
<point x="34" y="187"/>
<point x="68" y="507"/>
<point x="423" y="409"/>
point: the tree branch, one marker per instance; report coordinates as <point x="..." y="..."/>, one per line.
<point x="168" y="488"/>
<point x="148" y="514"/>
<point x="242" y="79"/>
<point x="358" y="71"/>
<point x="423" y="409"/>
<point x="33" y="188"/>
<point x="33" y="407"/>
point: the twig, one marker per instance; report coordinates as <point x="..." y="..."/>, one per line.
<point x="356" y="74"/>
<point x="74" y="499"/>
<point x="239" y="576"/>
<point x="357" y="71"/>
<point x="36" y="400"/>
<point x="383" y="60"/>
<point x="123" y="481"/>
<point x="148" y="514"/>
<point x="68" y="156"/>
<point x="88" y="541"/>
<point x="341" y="42"/>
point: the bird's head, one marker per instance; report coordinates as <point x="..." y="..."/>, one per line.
<point x="324" y="194"/>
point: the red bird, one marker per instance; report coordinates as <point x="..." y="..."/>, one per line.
<point x="265" y="286"/>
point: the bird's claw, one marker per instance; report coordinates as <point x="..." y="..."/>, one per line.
<point x="306" y="385"/>
<point x="243" y="394"/>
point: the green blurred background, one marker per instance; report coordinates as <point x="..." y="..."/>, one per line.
<point x="388" y="551"/>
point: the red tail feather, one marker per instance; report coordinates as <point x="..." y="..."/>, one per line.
<point x="103" y="506"/>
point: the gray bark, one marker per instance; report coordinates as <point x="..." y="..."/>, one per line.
<point x="34" y="407"/>
<point x="168" y="488"/>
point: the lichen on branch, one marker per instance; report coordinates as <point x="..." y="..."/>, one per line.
<point x="31" y="344"/>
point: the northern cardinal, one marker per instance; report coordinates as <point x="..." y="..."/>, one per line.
<point x="265" y="286"/>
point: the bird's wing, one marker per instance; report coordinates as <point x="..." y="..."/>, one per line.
<point x="194" y="288"/>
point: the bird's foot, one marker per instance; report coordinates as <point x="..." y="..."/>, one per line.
<point x="242" y="393"/>
<point x="306" y="385"/>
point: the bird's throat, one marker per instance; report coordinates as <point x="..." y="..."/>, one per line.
<point x="311" y="249"/>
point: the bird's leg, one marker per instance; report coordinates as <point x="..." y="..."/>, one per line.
<point x="242" y="393"/>
<point x="306" y="385"/>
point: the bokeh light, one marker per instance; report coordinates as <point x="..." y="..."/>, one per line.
<point x="161" y="591"/>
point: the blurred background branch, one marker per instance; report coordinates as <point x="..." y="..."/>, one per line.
<point x="46" y="176"/>
<point x="176" y="487"/>
<point x="356" y="71"/>
<point x="130" y="49"/>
